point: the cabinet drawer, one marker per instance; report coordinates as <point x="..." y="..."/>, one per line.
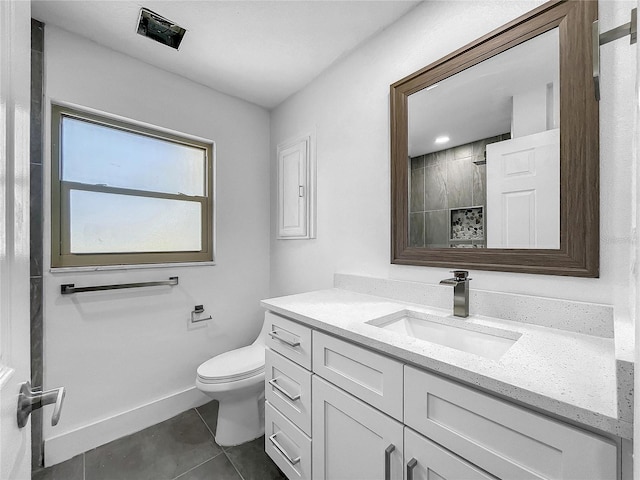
<point x="288" y="388"/>
<point x="423" y="457"/>
<point x="506" y="440"/>
<point x="370" y="376"/>
<point x="287" y="446"/>
<point x="289" y="338"/>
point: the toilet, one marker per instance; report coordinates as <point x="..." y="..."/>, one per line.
<point x="236" y="380"/>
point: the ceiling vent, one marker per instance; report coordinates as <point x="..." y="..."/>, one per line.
<point x="155" y="27"/>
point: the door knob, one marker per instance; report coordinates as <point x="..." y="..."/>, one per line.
<point x="33" y="399"/>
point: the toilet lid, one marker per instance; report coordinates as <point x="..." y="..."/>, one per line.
<point x="236" y="364"/>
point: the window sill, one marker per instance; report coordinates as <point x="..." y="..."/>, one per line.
<point x="101" y="268"/>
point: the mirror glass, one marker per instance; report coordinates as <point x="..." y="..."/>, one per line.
<point x="484" y="153"/>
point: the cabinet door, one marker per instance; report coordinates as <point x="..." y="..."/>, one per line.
<point x="426" y="460"/>
<point x="352" y="440"/>
<point x="295" y="189"/>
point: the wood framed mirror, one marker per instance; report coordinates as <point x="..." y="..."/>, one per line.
<point x="549" y="228"/>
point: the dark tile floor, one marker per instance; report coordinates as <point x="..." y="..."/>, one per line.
<point x="181" y="448"/>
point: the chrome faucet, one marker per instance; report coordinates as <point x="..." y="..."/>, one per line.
<point x="460" y="282"/>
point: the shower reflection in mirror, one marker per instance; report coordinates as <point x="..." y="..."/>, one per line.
<point x="484" y="154"/>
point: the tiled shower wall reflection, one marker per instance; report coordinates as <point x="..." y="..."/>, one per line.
<point x="36" y="215"/>
<point x="441" y="181"/>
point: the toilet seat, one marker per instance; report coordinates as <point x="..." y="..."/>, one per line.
<point x="239" y="364"/>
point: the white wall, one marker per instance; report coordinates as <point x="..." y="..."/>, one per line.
<point x="117" y="351"/>
<point x="529" y="112"/>
<point x="348" y="108"/>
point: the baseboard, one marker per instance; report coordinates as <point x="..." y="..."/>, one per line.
<point x="67" y="445"/>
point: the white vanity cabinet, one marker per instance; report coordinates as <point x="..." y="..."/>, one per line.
<point x="339" y="411"/>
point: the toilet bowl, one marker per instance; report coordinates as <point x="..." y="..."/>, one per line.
<point x="236" y="380"/>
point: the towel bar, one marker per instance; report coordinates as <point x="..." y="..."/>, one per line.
<point x="69" y="288"/>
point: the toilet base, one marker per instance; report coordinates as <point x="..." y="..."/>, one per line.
<point x="240" y="420"/>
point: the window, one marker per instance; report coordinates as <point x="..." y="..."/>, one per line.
<point x="124" y="194"/>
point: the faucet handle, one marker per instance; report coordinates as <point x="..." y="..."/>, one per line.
<point x="461" y="275"/>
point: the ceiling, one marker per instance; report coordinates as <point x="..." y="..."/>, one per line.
<point x="477" y="102"/>
<point x="261" y="51"/>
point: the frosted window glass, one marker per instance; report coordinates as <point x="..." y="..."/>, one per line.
<point x="113" y="223"/>
<point x="95" y="154"/>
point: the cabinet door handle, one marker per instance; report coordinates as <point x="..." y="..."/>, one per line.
<point x="413" y="463"/>
<point x="275" y="334"/>
<point x="279" y="447"/>
<point x="387" y="461"/>
<point x="273" y="383"/>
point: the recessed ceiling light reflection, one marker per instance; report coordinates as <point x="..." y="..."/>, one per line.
<point x="442" y="139"/>
<point x="431" y="87"/>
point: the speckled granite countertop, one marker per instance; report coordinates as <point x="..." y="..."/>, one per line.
<point x="568" y="374"/>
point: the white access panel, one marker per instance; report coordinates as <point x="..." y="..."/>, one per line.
<point x="296" y="192"/>
<point x="523" y="192"/>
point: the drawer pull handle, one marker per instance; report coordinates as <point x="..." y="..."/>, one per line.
<point x="387" y="461"/>
<point x="293" y="398"/>
<point x="413" y="463"/>
<point x="279" y="447"/>
<point x="275" y="334"/>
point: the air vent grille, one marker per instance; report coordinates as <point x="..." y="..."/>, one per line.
<point x="155" y="27"/>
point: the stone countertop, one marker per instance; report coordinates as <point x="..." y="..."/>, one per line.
<point x="570" y="375"/>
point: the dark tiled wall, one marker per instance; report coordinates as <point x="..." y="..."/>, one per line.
<point x="443" y="180"/>
<point x="36" y="219"/>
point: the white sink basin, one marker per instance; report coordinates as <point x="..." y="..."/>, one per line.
<point x="450" y="332"/>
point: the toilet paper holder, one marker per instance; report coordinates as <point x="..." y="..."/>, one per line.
<point x="197" y="310"/>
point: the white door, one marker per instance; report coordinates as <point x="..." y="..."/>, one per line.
<point x="351" y="439"/>
<point x="523" y="192"/>
<point x="15" y="50"/>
